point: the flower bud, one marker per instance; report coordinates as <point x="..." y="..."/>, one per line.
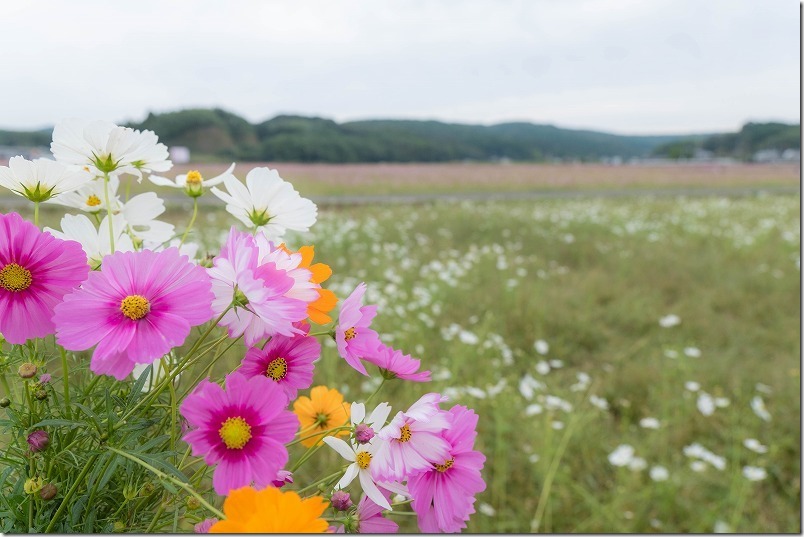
<point x="44" y="378"/>
<point x="40" y="395"/>
<point x="282" y="478"/>
<point x="27" y="370"/>
<point x="363" y="433"/>
<point x="48" y="491"/>
<point x="38" y="440"/>
<point x="341" y="500"/>
<point x="119" y="527"/>
<point x="192" y="503"/>
<point x="5" y="402"/>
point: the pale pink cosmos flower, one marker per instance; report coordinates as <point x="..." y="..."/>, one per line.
<point x="261" y="308"/>
<point x="138" y="307"/>
<point x="444" y="495"/>
<point x="36" y="271"/>
<point x="396" y="364"/>
<point x="353" y="336"/>
<point x="412" y="441"/>
<point x="243" y="430"/>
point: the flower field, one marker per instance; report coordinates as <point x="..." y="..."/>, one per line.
<point x="634" y="364"/>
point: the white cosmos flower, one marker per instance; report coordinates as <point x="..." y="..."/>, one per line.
<point x="267" y="202"/>
<point x="659" y="473"/>
<point x="755" y="445"/>
<point x="669" y="320"/>
<point x="541" y="346"/>
<point x="106" y="148"/>
<point x="692" y="386"/>
<point x="91" y="198"/>
<point x="621" y="456"/>
<point x="754" y="473"/>
<point x="758" y="406"/>
<point x="361" y="455"/>
<point x="41" y="179"/>
<point x="649" y="423"/>
<point x="95" y="242"/>
<point x="192" y="182"/>
<point x="706" y="405"/>
<point x="140" y="214"/>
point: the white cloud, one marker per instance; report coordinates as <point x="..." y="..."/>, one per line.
<point x="627" y="66"/>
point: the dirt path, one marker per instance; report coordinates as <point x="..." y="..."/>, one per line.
<point x="9" y="202"/>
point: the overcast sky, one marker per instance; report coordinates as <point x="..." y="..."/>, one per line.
<point x="624" y="66"/>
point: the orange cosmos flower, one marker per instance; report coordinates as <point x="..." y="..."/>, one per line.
<point x="271" y="510"/>
<point x="318" y="309"/>
<point x="323" y="410"/>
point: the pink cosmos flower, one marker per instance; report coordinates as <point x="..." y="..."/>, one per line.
<point x="36" y="271"/>
<point x="444" y="495"/>
<point x="412" y="441"/>
<point x="303" y="289"/>
<point x="258" y="291"/>
<point x="353" y="336"/>
<point x="204" y="525"/>
<point x="370" y="519"/>
<point x="286" y="360"/>
<point x="243" y="430"/>
<point x="137" y="308"/>
<point x="396" y="364"/>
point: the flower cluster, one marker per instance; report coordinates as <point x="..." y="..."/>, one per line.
<point x="126" y="286"/>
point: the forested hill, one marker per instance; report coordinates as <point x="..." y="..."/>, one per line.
<point x="310" y="139"/>
<point x="218" y="134"/>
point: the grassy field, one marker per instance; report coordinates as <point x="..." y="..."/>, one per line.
<point x="470" y="288"/>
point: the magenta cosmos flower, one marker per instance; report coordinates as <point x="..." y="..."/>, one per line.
<point x="135" y="309"/>
<point x="36" y="271"/>
<point x="353" y="336"/>
<point x="444" y="495"/>
<point x="243" y="430"/>
<point x="257" y="292"/>
<point x="412" y="442"/>
<point x="286" y="360"/>
<point x="395" y="364"/>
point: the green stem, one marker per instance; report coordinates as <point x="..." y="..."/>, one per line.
<point x="211" y="364"/>
<point x="78" y="482"/>
<point x="370" y="397"/>
<point x="66" y="381"/>
<point x="192" y="221"/>
<point x="156" y="517"/>
<point x="184" y="486"/>
<point x="330" y="477"/>
<point x="169" y="378"/>
<point x="36" y="213"/>
<point x="108" y="209"/>
<point x="551" y="474"/>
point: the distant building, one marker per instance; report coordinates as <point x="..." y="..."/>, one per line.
<point x="179" y="154"/>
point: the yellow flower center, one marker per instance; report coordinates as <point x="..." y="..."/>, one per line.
<point x="349" y="334"/>
<point x="135" y="307"/>
<point x="446" y="466"/>
<point x="194" y="177"/>
<point x="93" y="200"/>
<point x="404" y="433"/>
<point x="277" y="369"/>
<point x="235" y="432"/>
<point x="15" y="278"/>
<point x="364" y="459"/>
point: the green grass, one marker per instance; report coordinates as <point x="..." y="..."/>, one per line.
<point x="470" y="287"/>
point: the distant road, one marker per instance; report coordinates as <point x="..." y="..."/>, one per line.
<point x="9" y="202"/>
